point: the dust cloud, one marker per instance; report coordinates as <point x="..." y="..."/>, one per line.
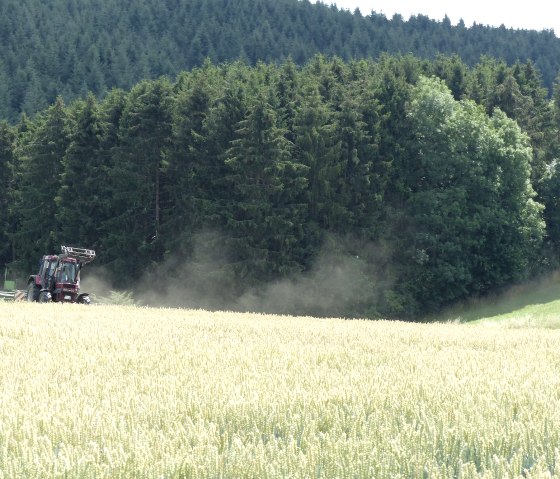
<point x="334" y="286"/>
<point x="342" y="281"/>
<point x="94" y="281"/>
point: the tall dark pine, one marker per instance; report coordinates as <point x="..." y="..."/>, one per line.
<point x="319" y="149"/>
<point x="187" y="189"/>
<point x="268" y="214"/>
<point x="83" y="200"/>
<point x="358" y="189"/>
<point x="550" y="187"/>
<point x="7" y="139"/>
<point x="224" y="116"/>
<point x="287" y="87"/>
<point x="210" y="274"/>
<point x="137" y="179"/>
<point x="40" y="166"/>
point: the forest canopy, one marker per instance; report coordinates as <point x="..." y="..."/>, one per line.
<point x="390" y="188"/>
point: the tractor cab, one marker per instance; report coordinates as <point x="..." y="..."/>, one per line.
<point x="67" y="272"/>
<point x="47" y="268"/>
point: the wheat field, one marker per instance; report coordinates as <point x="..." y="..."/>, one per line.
<point x="128" y="392"/>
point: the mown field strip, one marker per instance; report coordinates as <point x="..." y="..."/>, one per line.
<point x="109" y="392"/>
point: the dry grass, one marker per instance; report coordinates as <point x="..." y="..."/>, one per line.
<point x="109" y="392"/>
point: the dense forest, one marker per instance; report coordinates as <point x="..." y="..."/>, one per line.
<point x="67" y="48"/>
<point x="279" y="155"/>
<point x="391" y="187"/>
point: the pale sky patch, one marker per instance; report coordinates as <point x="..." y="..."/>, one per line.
<point x="534" y="15"/>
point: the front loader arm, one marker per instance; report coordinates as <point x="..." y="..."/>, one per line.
<point x="83" y="255"/>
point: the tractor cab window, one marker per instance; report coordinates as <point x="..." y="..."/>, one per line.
<point x="49" y="266"/>
<point x="67" y="273"/>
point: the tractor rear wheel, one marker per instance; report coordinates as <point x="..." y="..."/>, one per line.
<point x="32" y="292"/>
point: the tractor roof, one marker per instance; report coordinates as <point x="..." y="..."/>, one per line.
<point x="61" y="258"/>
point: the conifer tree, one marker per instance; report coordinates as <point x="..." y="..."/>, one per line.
<point x="40" y="166"/>
<point x="137" y="179"/>
<point x="83" y="201"/>
<point x="7" y="140"/>
<point x="224" y="116"/>
<point x="187" y="189"/>
<point x="358" y="190"/>
<point x="267" y="212"/>
<point x="319" y="150"/>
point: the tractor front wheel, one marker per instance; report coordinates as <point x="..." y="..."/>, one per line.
<point x="32" y="292"/>
<point x="44" y="297"/>
<point x="84" y="299"/>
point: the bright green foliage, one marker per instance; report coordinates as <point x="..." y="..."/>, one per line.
<point x="473" y="223"/>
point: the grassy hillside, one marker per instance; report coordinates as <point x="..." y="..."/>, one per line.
<point x="129" y="392"/>
<point x="536" y="304"/>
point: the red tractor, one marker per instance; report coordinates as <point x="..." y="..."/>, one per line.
<point x="59" y="277"/>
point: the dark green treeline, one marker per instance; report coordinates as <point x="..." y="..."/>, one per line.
<point x="51" y="48"/>
<point x="389" y="188"/>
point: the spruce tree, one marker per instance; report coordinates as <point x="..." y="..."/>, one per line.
<point x="187" y="188"/>
<point x="268" y="215"/>
<point x="319" y="150"/>
<point x="137" y="178"/>
<point x="83" y="201"/>
<point x="40" y="166"/>
<point x="7" y="140"/>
